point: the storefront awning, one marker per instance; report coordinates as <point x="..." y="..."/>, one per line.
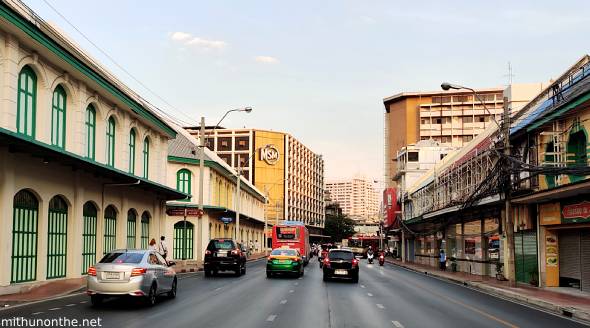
<point x="570" y="190"/>
<point x="219" y="211"/>
<point x="18" y="143"/>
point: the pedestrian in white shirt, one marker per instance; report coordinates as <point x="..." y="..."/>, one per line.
<point x="163" y="248"/>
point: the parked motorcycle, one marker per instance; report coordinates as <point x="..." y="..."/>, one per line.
<point x="381" y="259"/>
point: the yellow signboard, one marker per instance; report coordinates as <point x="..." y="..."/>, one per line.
<point x="551" y="259"/>
<point x="550" y="213"/>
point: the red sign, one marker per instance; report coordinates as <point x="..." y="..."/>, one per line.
<point x="574" y="211"/>
<point x="179" y="211"/>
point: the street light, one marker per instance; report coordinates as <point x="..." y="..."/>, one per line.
<point x="447" y="86"/>
<point x="202" y="154"/>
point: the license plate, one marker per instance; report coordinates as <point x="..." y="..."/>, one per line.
<point x="112" y="275"/>
<point x="221" y="254"/>
<point x="341" y="272"/>
<point x="284" y="261"/>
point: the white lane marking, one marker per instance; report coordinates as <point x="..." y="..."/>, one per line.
<point x="296" y="283"/>
<point x="397" y="324"/>
<point x="82" y="302"/>
<point x="290" y="291"/>
<point x="271" y="317"/>
<point x="218" y="288"/>
<point x="299" y="278"/>
<point x="362" y="286"/>
<point x="54" y="309"/>
<point x="381" y="306"/>
<point x="35" y="313"/>
<point x="71" y="304"/>
<point x="284" y="302"/>
<point x="369" y="294"/>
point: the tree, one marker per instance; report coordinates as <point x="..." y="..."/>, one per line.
<point x="339" y="227"/>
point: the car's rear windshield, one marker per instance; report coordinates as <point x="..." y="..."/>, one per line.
<point x="221" y="244"/>
<point x="340" y="255"/>
<point x="120" y="257"/>
<point x="284" y="252"/>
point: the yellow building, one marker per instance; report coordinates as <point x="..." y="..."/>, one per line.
<point x="278" y="165"/>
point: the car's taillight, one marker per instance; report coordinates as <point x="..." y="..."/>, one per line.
<point x="207" y="252"/>
<point x="355" y="262"/>
<point x="327" y="262"/>
<point x="138" y="272"/>
<point x="235" y="252"/>
<point x="381" y="257"/>
<point x="92" y="271"/>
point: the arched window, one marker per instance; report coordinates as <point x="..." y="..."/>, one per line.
<point x="576" y="152"/>
<point x="110" y="142"/>
<point x="57" y="235"/>
<point x="90" y="132"/>
<point x="145" y="229"/>
<point x="24" y="237"/>
<point x="90" y="216"/>
<point x="183" y="240"/>
<point x="132" y="151"/>
<point x="131" y="228"/>
<point x="146" y="157"/>
<point x="110" y="229"/>
<point x="183" y="181"/>
<point x="26" y="102"/>
<point x="58" y="117"/>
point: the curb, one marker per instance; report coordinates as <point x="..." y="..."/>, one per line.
<point x="570" y="312"/>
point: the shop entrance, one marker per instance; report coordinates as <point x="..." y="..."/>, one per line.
<point x="525" y="252"/>
<point x="574" y="258"/>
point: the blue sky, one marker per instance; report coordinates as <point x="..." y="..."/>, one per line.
<point x="320" y="69"/>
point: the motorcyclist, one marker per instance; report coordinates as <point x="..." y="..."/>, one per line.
<point x="370" y="254"/>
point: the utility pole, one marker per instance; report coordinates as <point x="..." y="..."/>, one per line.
<point x="201" y="188"/>
<point x="509" y="262"/>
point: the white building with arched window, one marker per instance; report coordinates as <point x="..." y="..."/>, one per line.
<point x="82" y="158"/>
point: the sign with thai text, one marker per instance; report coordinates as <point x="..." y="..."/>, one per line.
<point x="576" y="212"/>
<point x="180" y="211"/>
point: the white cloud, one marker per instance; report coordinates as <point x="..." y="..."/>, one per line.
<point x="368" y="20"/>
<point x="188" y="39"/>
<point x="266" y="59"/>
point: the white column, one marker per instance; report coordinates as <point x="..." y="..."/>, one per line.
<point x="6" y="203"/>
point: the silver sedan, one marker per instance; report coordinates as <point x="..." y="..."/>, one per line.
<point x="140" y="273"/>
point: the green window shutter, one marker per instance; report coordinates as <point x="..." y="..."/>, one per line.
<point x="145" y="230"/>
<point x="183" y="240"/>
<point x="110" y="142"/>
<point x="24" y="237"/>
<point x="110" y="229"/>
<point x="183" y="181"/>
<point x="26" y="102"/>
<point x="58" y="117"/>
<point x="89" y="236"/>
<point x="57" y="233"/>
<point x="131" y="228"/>
<point x="132" y="151"/>
<point x="146" y="158"/>
<point x="90" y="132"/>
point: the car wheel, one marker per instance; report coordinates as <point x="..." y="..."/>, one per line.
<point x="244" y="269"/>
<point x="326" y="278"/>
<point x="320" y="265"/>
<point x="238" y="272"/>
<point x="96" y="300"/>
<point x="172" y="292"/>
<point x="355" y="279"/>
<point x="151" y="298"/>
<point x="301" y="273"/>
<point x="268" y="274"/>
<point x="208" y="273"/>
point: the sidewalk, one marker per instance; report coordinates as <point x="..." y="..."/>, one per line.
<point x="53" y="289"/>
<point x="575" y="305"/>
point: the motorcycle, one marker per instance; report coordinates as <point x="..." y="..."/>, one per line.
<point x="370" y="258"/>
<point x="381" y="259"/>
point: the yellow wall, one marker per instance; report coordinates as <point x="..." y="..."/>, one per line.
<point x="270" y="178"/>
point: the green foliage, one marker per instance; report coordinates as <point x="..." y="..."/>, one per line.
<point x="338" y="227"/>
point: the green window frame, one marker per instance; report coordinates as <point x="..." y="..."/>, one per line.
<point x="146" y="158"/>
<point x="577" y="150"/>
<point x="58" y="117"/>
<point x="131" y="228"/>
<point x="183" y="240"/>
<point x="145" y="230"/>
<point x="183" y="181"/>
<point x="90" y="219"/>
<point x="24" y="237"/>
<point x="57" y="235"/>
<point x="110" y="229"/>
<point x="132" y="138"/>
<point x="26" y="102"/>
<point x="90" y="132"/>
<point x="110" y="142"/>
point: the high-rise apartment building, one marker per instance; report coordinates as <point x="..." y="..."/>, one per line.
<point x="279" y="165"/>
<point x="357" y="198"/>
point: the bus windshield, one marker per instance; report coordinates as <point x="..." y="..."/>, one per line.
<point x="287" y="233"/>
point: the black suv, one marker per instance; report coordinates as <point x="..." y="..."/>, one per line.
<point x="341" y="263"/>
<point x="224" y="255"/>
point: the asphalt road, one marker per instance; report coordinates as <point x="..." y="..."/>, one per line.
<point x="386" y="296"/>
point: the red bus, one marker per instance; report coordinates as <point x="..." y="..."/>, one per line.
<point x="293" y="235"/>
<point x="360" y="244"/>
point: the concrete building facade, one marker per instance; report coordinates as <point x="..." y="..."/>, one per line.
<point x="357" y="197"/>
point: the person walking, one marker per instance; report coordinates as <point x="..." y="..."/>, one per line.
<point x="443" y="260"/>
<point x="163" y="248"/>
<point x="152" y="246"/>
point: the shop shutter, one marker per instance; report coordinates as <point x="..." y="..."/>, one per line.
<point x="585" y="243"/>
<point x="525" y="253"/>
<point x="569" y="254"/>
